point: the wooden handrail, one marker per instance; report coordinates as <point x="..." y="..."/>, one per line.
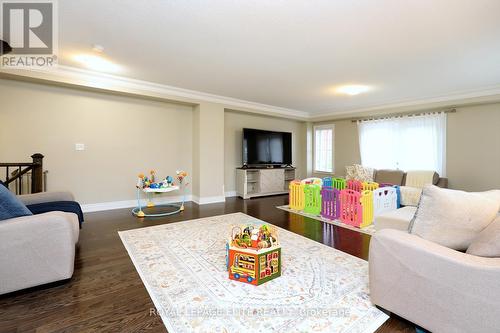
<point x="15" y="164"/>
<point x="36" y="168"/>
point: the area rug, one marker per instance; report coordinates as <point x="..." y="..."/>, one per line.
<point x="369" y="230"/>
<point x="183" y="267"/>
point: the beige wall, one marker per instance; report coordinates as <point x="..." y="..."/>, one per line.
<point x="123" y="136"/>
<point x="234" y="122"/>
<point x="209" y="152"/>
<point x="473" y="147"/>
<point x="346" y="146"/>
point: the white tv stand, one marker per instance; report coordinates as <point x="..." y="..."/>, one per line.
<point x="258" y="182"/>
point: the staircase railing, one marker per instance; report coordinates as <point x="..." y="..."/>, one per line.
<point x="21" y="170"/>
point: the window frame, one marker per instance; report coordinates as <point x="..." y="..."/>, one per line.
<point x="322" y="127"/>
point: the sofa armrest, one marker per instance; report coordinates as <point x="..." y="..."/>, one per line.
<point x="442" y="182"/>
<point x="42" y="197"/>
<point x="37" y="249"/>
<point x="440" y="289"/>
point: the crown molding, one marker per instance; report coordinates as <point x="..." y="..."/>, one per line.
<point x="486" y="95"/>
<point x="85" y="79"/>
<point x="71" y="76"/>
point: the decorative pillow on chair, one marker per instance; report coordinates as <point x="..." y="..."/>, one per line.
<point x="359" y="172"/>
<point x="350" y="172"/>
<point x="453" y="218"/>
<point x="487" y="244"/>
<point x="10" y="206"/>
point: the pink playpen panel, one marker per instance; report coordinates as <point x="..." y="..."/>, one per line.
<point x="354" y="185"/>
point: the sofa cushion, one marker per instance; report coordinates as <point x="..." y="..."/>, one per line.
<point x="454" y="218"/>
<point x="398" y="219"/>
<point x="487" y="244"/>
<point x="394" y="177"/>
<point x="10" y="206"/>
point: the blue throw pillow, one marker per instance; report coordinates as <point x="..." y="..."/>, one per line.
<point x="10" y="206"/>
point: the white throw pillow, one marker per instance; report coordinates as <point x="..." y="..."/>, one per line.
<point x="487" y="244"/>
<point x="453" y="218"/>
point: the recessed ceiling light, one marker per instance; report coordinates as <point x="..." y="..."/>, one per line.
<point x="352" y="89"/>
<point x="97" y="63"/>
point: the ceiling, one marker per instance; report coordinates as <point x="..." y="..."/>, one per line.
<point x="291" y="53"/>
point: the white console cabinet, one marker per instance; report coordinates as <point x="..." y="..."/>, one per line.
<point x="260" y="182"/>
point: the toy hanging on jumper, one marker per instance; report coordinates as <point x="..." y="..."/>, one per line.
<point x="150" y="187"/>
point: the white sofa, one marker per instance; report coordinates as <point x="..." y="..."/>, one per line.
<point x="398" y="219"/>
<point x="439" y="289"/>
<point x="38" y="249"/>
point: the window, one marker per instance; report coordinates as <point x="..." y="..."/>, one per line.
<point x="323" y="148"/>
<point x="406" y="143"/>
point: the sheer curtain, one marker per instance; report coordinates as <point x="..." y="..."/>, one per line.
<point x="406" y="143"/>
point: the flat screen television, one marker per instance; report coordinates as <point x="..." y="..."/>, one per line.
<point x="266" y="147"/>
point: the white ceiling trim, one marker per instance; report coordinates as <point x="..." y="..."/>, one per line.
<point x="84" y="78"/>
<point x="79" y="77"/>
<point x="483" y="96"/>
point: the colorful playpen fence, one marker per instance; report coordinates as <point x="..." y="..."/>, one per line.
<point x="356" y="207"/>
<point x="330" y="203"/>
<point x="338" y="183"/>
<point x="354" y="185"/>
<point x="384" y="199"/>
<point x="327" y="181"/>
<point x="369" y="186"/>
<point x="312" y="194"/>
<point x="296" y="196"/>
<point x="398" y="192"/>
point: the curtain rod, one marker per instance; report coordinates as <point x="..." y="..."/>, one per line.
<point x="399" y="115"/>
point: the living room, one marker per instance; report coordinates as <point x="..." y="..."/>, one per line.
<point x="138" y="170"/>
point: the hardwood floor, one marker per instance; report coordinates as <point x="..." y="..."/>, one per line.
<point x="107" y="295"/>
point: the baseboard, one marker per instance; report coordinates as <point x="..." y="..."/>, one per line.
<point x="208" y="200"/>
<point x="101" y="206"/>
<point x="230" y="194"/>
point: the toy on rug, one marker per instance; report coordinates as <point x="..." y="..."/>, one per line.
<point x="253" y="254"/>
<point x="150" y="186"/>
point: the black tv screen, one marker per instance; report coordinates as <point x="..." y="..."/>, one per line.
<point x="266" y="147"/>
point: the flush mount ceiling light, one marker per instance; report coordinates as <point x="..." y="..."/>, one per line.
<point x="97" y="63"/>
<point x="352" y="89"/>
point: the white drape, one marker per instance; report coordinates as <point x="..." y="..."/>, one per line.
<point x="406" y="143"/>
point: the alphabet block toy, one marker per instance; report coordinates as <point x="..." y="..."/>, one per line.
<point x="253" y="254"/>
